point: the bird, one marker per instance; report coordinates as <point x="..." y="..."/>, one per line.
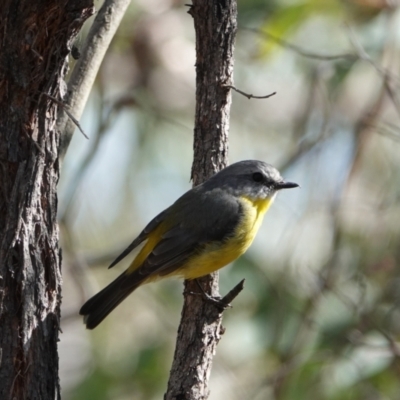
<point x="207" y="228"/>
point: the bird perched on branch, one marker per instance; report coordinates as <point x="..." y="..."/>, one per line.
<point x="205" y="229"/>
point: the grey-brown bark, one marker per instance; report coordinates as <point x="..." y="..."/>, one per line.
<point x="200" y="327"/>
<point x="35" y="39"/>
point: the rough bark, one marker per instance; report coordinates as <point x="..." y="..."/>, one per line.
<point x="35" y="39"/>
<point x="200" y="328"/>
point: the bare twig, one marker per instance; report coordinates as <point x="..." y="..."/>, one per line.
<point x="346" y="300"/>
<point x="250" y="96"/>
<point x="325" y="131"/>
<point x="65" y="109"/>
<point x="393" y="96"/>
<point x="363" y="55"/>
<point x="387" y="130"/>
<point x="303" y="52"/>
<point x="387" y="76"/>
<point x="233" y="293"/>
<point x="82" y="78"/>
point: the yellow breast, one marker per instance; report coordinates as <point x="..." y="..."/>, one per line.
<point x="216" y="256"/>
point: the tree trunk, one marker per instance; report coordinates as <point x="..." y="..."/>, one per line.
<point x="200" y="327"/>
<point x="35" y="39"/>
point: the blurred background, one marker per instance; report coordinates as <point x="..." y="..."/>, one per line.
<point x="319" y="317"/>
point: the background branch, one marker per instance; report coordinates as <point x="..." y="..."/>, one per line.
<point x="84" y="73"/>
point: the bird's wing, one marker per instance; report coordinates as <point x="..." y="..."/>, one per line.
<point x="175" y="247"/>
<point x="142" y="236"/>
<point x="201" y="218"/>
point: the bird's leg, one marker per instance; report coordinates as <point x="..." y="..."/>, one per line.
<point x="217" y="301"/>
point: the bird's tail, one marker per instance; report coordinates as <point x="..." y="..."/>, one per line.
<point x="101" y="304"/>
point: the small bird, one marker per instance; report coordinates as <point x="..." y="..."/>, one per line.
<point x="208" y="227"/>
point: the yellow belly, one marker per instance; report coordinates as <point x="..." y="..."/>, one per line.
<point x="216" y="256"/>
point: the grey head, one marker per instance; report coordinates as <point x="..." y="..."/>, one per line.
<point x="250" y="178"/>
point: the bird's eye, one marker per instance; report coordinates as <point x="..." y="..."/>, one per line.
<point x="257" y="177"/>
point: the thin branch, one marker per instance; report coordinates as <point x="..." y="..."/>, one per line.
<point x="386" y="129"/>
<point x="82" y="78"/>
<point x="363" y="55"/>
<point x="65" y="109"/>
<point x="393" y="96"/>
<point x="370" y="320"/>
<point x="303" y="52"/>
<point x="250" y="96"/>
<point x="233" y="293"/>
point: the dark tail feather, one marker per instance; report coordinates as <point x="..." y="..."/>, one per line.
<point x="101" y="304"/>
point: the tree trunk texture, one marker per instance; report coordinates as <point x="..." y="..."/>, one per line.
<point x="200" y="328"/>
<point x="35" y="40"/>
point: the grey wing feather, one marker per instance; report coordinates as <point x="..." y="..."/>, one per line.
<point x="217" y="215"/>
<point x="170" y="252"/>
<point x="167" y="256"/>
<point x="142" y="236"/>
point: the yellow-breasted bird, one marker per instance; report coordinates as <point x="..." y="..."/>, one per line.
<point x="205" y="229"/>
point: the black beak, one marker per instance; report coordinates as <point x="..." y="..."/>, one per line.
<point x="285" y="185"/>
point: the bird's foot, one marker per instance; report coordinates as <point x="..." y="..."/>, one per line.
<point x="217" y="301"/>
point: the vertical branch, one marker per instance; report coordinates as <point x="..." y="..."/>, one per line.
<point x="200" y="327"/>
